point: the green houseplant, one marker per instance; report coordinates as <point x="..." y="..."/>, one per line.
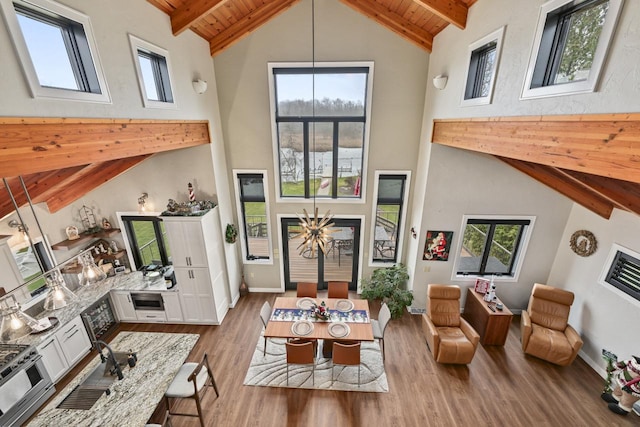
<point x="387" y="285"/>
<point x="231" y="233"/>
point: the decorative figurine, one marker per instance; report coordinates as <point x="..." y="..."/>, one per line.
<point x="192" y="196"/>
<point x="106" y="225"/>
<point x="114" y="246"/>
<point x="72" y="232"/>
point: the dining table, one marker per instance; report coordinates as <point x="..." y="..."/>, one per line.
<point x="291" y="311"/>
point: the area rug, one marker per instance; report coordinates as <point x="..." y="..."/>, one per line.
<point x="271" y="370"/>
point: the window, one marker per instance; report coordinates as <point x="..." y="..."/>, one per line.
<point x="147" y="240"/>
<point x="622" y="270"/>
<point x="152" y="66"/>
<point x="253" y="208"/>
<point x="57" y="50"/>
<point x="570" y="46"/>
<point x="329" y="166"/>
<point x="493" y="246"/>
<point x="391" y="192"/>
<point x="484" y="56"/>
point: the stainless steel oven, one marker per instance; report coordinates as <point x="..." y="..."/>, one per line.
<point x="24" y="383"/>
<point x="147" y="301"/>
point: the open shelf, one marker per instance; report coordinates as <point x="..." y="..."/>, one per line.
<point x="66" y="245"/>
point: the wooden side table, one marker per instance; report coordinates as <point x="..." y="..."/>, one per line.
<point x="493" y="326"/>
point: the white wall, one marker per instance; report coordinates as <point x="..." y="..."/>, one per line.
<point x="602" y="316"/>
<point x="342" y="34"/>
<point x="164" y="175"/>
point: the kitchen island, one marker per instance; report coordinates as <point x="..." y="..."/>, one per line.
<point x="134" y="398"/>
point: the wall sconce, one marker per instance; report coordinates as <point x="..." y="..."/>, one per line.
<point x="440" y="81"/>
<point x="21" y="229"/>
<point x="200" y="86"/>
<point x="142" y="201"/>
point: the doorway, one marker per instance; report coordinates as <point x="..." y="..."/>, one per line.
<point x="339" y="264"/>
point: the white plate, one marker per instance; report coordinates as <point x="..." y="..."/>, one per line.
<point x="344" y="305"/>
<point x="302" y="328"/>
<point x="339" y="329"/>
<point x="305" y="303"/>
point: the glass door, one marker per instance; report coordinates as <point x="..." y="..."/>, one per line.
<point x="339" y="264"/>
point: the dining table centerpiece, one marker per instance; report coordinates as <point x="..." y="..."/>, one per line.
<point x="320" y="312"/>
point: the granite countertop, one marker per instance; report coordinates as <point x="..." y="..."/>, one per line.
<point x="87" y="295"/>
<point x="133" y="399"/>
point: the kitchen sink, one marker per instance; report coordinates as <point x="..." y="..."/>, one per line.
<point x="85" y="395"/>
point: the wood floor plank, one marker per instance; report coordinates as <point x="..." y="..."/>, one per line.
<point x="501" y="387"/>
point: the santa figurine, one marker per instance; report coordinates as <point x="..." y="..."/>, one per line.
<point x="626" y="386"/>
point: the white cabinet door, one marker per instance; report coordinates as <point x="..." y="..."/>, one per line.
<point x="74" y="341"/>
<point x="53" y="359"/>
<point x="124" y="306"/>
<point x="172" y="307"/>
<point x="151" y="316"/>
<point x="186" y="240"/>
<point x="196" y="295"/>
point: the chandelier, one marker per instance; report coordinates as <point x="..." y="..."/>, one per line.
<point x="315" y="230"/>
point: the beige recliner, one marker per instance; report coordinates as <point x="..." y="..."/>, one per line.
<point x="450" y="338"/>
<point x="544" y="328"/>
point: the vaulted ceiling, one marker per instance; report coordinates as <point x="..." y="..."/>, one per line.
<point x="224" y="22"/>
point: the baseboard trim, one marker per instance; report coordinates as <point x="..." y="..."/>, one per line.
<point x="266" y="290"/>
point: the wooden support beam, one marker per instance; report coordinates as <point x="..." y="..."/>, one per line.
<point x="451" y="11"/>
<point x="602" y="144"/>
<point x="625" y="195"/>
<point x="564" y="184"/>
<point x="192" y="11"/>
<point x="393" y="22"/>
<point x="248" y="24"/>
<point x="31" y="145"/>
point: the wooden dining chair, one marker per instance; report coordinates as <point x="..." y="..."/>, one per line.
<point x="265" y="315"/>
<point x="189" y="382"/>
<point x="338" y="290"/>
<point x="306" y="289"/>
<point x="347" y="355"/>
<point x="301" y="353"/>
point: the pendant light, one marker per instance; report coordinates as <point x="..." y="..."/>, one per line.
<point x="91" y="273"/>
<point x="315" y="230"/>
<point x="59" y="295"/>
<point x="14" y="323"/>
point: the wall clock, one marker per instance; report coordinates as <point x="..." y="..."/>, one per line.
<point x="583" y="243"/>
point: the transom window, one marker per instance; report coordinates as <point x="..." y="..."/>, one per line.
<point x="493" y="246"/>
<point x="57" y="50"/>
<point x="391" y="192"/>
<point x="253" y="209"/>
<point x="332" y="104"/>
<point x="484" y="56"/>
<point x="152" y="66"/>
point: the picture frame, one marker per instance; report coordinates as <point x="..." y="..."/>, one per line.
<point x="482" y="286"/>
<point x="437" y="245"/>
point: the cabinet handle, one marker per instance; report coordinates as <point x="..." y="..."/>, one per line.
<point x="69" y="337"/>
<point x="129" y="298"/>
<point x="50" y="342"/>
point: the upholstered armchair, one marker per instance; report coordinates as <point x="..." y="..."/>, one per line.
<point x="544" y="328"/>
<point x="449" y="337"/>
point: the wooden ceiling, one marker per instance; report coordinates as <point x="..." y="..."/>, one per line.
<point x="224" y="22"/>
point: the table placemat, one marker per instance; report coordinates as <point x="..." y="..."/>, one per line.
<point x="293" y="314"/>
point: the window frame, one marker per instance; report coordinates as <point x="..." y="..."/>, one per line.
<point x="242" y="219"/>
<point x="606" y="270"/>
<point x="274" y="128"/>
<point x="124" y="219"/>
<point x="375" y="262"/>
<point x="519" y="257"/>
<point x="472" y="59"/>
<point x="557" y="8"/>
<point x="161" y="73"/>
<point x="86" y="51"/>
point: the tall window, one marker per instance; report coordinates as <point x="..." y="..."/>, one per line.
<point x="147" y="240"/>
<point x="493" y="246"/>
<point x="253" y="207"/>
<point x="391" y="193"/>
<point x="57" y="50"/>
<point x="152" y="66"/>
<point x="329" y="166"/>
<point x="484" y="56"/>
<point x="571" y="42"/>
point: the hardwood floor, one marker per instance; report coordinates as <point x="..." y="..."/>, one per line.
<point x="501" y="387"/>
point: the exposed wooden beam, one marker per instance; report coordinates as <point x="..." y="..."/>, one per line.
<point x="451" y="11"/>
<point x="192" y="11"/>
<point x="626" y="195"/>
<point x="564" y="184"/>
<point x="88" y="179"/>
<point x="54" y="143"/>
<point x="604" y="145"/>
<point x="393" y="22"/>
<point x="49" y="182"/>
<point x="248" y="23"/>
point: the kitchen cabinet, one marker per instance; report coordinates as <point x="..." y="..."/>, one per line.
<point x="151" y="316"/>
<point x="61" y="351"/>
<point x="124" y="306"/>
<point x="172" y="308"/>
<point x="198" y="261"/>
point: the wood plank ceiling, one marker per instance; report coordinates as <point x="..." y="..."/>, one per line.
<point x="224" y="22"/>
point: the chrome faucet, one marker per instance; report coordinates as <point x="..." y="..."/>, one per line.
<point x="111" y="356"/>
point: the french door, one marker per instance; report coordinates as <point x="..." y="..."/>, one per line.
<point x="339" y="264"/>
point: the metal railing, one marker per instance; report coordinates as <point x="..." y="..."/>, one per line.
<point x="256" y="225"/>
<point x="497" y="250"/>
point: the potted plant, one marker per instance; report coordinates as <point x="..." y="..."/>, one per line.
<point x="231" y="233"/>
<point x="387" y="285"/>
